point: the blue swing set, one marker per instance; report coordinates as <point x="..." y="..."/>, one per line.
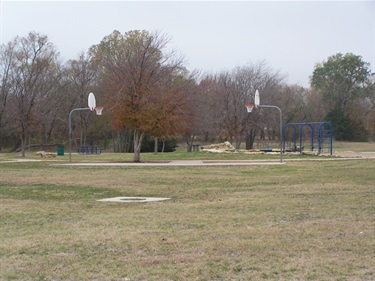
<point x="320" y="132"/>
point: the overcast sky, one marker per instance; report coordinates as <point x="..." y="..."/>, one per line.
<point x="291" y="36"/>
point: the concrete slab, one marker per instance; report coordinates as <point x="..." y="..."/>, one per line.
<point x="133" y="199"/>
<point x="177" y="163"/>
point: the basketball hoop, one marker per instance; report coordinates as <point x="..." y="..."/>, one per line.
<point x="99" y="110"/>
<point x="249" y="107"/>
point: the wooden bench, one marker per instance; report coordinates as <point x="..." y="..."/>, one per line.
<point x="89" y="150"/>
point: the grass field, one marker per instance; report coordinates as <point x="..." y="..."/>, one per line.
<point x="305" y="220"/>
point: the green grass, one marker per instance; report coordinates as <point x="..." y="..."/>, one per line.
<point x="305" y="220"/>
<point x="182" y="154"/>
<point x="159" y="157"/>
<point x="354" y="146"/>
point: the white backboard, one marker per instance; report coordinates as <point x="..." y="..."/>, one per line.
<point x="256" y="100"/>
<point x="91" y="101"/>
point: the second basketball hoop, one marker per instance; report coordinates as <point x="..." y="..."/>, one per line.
<point x="249" y="107"/>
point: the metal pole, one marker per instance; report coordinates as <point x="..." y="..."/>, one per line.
<point x="281" y="129"/>
<point x="70" y="131"/>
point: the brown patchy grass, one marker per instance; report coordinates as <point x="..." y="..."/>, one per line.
<point x="308" y="220"/>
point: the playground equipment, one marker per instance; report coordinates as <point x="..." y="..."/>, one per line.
<point x="320" y="132"/>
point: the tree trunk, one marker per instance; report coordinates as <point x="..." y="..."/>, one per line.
<point x="23" y="146"/>
<point x="163" y="148"/>
<point x="156" y="147"/>
<point x="250" y="138"/>
<point x="189" y="141"/>
<point x="29" y="145"/>
<point x="237" y="142"/>
<point x="138" y="138"/>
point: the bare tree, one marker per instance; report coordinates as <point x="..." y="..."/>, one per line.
<point x="232" y="90"/>
<point x="81" y="74"/>
<point x="292" y="99"/>
<point x="35" y="62"/>
<point x="7" y="62"/>
<point x="200" y="119"/>
<point x="260" y="76"/>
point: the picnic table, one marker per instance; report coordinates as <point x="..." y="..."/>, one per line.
<point x="89" y="150"/>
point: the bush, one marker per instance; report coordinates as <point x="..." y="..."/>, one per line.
<point x="342" y="125"/>
<point x="344" y="128"/>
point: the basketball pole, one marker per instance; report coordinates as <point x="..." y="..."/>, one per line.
<point x="281" y="128"/>
<point x="70" y="130"/>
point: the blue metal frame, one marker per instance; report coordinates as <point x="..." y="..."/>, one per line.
<point x="321" y="135"/>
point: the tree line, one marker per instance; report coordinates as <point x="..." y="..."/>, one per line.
<point x="147" y="92"/>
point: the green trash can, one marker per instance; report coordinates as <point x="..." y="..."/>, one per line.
<point x="60" y="150"/>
